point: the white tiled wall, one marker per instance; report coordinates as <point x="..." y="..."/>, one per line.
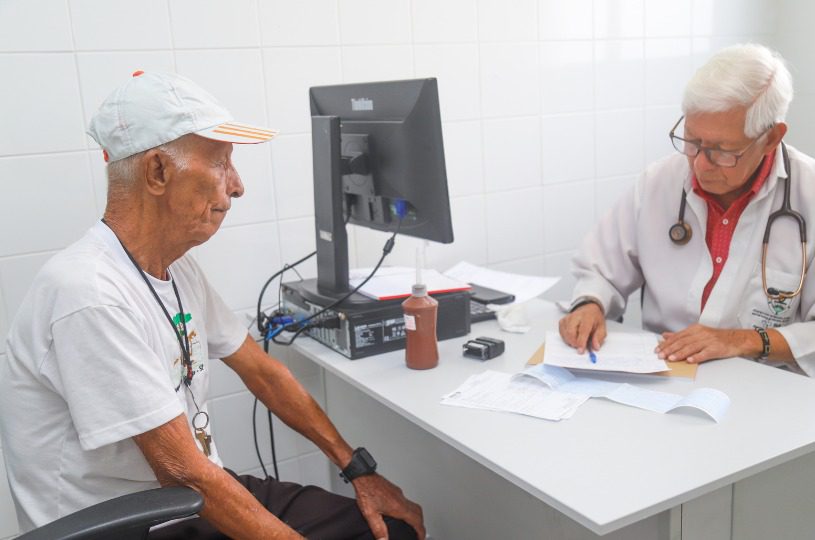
<point x="794" y="40"/>
<point x="549" y="106"/>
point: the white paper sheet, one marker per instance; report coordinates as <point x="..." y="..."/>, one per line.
<point x="621" y="351"/>
<point x="710" y="401"/>
<point x="496" y="391"/>
<point x="522" y="286"/>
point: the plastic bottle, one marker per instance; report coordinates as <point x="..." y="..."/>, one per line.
<point x="421" y="310"/>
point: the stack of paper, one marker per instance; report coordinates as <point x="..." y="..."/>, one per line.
<point x="397" y="281"/>
<point x="496" y="391"/>
<point x="553" y="393"/>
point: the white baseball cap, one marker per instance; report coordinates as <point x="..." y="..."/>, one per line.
<point x="155" y="108"/>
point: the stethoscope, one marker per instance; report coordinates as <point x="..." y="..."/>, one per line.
<point x="681" y="232"/>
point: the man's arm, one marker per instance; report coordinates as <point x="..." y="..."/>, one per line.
<point x="282" y="393"/>
<point x="177" y="461"/>
<point x="606" y="267"/>
<point x="697" y="343"/>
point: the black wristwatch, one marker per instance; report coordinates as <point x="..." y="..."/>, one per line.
<point x="362" y="463"/>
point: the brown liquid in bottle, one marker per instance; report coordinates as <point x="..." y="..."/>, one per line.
<point x="421" y="351"/>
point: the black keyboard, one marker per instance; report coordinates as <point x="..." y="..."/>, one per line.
<point x="479" y="312"/>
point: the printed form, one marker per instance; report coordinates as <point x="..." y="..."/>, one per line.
<point x="554" y="393"/>
<point x="710" y="401"/>
<point x="497" y="391"/>
<point x="621" y="351"/>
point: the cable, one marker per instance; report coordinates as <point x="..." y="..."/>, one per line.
<point x="255" y="437"/>
<point x="261" y="320"/>
<point x="271" y="442"/>
<point x="267" y="333"/>
<point x="271" y="427"/>
<point x="280" y="285"/>
<point x="385" y="251"/>
<point x="264" y="325"/>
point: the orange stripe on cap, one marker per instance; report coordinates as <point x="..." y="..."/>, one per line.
<point x="247" y="135"/>
<point x="247" y="129"/>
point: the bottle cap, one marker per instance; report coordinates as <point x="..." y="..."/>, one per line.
<point x="419" y="289"/>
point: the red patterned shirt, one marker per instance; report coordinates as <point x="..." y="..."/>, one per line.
<point x="721" y="222"/>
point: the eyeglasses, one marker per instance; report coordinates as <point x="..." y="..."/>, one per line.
<point x="720" y="158"/>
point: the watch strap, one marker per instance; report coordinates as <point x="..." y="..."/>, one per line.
<point x="362" y="463"/>
<point x="765" y="343"/>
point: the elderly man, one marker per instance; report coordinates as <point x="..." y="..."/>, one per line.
<point x="108" y="358"/>
<point x="689" y="233"/>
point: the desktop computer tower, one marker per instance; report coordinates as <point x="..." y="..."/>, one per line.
<point x="365" y="327"/>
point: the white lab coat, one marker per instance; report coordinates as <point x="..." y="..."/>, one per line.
<point x="630" y="248"/>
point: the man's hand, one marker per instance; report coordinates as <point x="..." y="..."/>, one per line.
<point x="584" y="323"/>
<point x="696" y="344"/>
<point x="376" y="497"/>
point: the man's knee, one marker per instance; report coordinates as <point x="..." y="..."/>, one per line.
<point x="399" y="530"/>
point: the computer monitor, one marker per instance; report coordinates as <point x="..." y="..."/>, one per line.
<point x="378" y="155"/>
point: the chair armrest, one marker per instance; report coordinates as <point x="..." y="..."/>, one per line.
<point x="123" y="518"/>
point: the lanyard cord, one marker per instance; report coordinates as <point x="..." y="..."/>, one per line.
<point x="183" y="343"/>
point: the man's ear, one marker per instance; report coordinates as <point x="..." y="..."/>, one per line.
<point x="774" y="137"/>
<point x="156" y="173"/>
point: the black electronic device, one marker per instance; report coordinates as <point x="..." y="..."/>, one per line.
<point x="357" y="331"/>
<point x="362" y="463"/>
<point x="480" y="296"/>
<point x="378" y="159"/>
<point x="484" y="348"/>
<point x="485" y="295"/>
<point x="480" y="312"/>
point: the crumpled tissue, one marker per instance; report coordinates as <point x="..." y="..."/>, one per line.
<point x="511" y="317"/>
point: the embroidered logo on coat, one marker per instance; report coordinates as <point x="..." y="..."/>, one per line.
<point x="779" y="305"/>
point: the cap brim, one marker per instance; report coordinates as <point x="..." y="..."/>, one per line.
<point x="238" y="133"/>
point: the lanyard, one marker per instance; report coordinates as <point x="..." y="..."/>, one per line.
<point x="183" y="342"/>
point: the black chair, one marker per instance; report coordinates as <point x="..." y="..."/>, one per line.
<point x="128" y="517"/>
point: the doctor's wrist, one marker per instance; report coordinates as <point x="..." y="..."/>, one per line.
<point x="581" y="301"/>
<point x="752" y="344"/>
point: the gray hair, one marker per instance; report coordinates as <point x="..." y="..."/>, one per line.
<point x="122" y="172"/>
<point x="747" y="75"/>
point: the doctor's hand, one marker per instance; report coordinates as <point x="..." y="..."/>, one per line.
<point x="376" y="496"/>
<point x="584" y="323"/>
<point x="696" y="344"/>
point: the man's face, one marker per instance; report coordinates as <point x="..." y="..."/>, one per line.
<point x="201" y="194"/>
<point x="724" y="131"/>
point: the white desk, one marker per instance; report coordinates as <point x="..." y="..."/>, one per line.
<point x="610" y="470"/>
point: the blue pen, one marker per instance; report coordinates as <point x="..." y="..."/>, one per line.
<point x="592" y="356"/>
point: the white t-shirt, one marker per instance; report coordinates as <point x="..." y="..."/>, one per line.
<point x="92" y="361"/>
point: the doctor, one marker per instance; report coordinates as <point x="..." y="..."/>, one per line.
<point x="690" y="232"/>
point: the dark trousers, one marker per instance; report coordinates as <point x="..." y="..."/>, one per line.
<point x="314" y="512"/>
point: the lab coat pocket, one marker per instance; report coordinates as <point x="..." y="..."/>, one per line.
<point x="759" y="310"/>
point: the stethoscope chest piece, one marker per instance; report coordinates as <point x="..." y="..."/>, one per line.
<point x="680" y="233"/>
